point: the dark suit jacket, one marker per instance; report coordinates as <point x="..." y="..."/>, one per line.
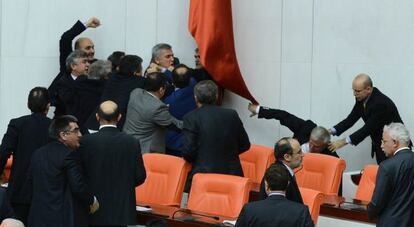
<point x="65" y="48"/>
<point x="113" y="166"/>
<point x="393" y="198"/>
<point x="180" y="102"/>
<point x="24" y="135"/>
<point x="292" y="191"/>
<point x="379" y="111"/>
<point x="276" y="210"/>
<point x="213" y="139"/>
<point x="117" y="89"/>
<point x="6" y="211"/>
<point x="301" y="129"/>
<point x="54" y="180"/>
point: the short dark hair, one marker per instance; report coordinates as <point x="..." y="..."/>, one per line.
<point x="154" y="81"/>
<point x="277" y="177"/>
<point x="115" y="59"/>
<point x="60" y="124"/>
<point x="130" y="64"/>
<point x="112" y="116"/>
<point x="38" y="100"/>
<point x="206" y="92"/>
<point x="283" y="147"/>
<point x="181" y="80"/>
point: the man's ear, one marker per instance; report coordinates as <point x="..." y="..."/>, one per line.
<point x="287" y="157"/>
<point x="97" y="117"/>
<point x="119" y="117"/>
<point x="62" y="136"/>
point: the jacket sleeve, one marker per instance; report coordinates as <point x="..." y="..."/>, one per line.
<point x="190" y="139"/>
<point x="350" y="120"/>
<point x="382" y="193"/>
<point x="163" y="117"/>
<point x="65" y="43"/>
<point x="308" y="219"/>
<point x="286" y="119"/>
<point x="76" y="180"/>
<point x="140" y="173"/>
<point x="242" y="219"/>
<point x="244" y="142"/>
<point x="9" y="143"/>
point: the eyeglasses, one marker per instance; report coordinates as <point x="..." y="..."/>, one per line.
<point x="75" y="130"/>
<point x="386" y="141"/>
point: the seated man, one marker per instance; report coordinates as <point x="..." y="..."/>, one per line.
<point x="276" y="210"/>
<point x="289" y="153"/>
<point x="213" y="136"/>
<point x="313" y="138"/>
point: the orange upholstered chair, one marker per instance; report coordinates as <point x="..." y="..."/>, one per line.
<point x="219" y="194"/>
<point x="313" y="199"/>
<point x="166" y="176"/>
<point x="367" y="183"/>
<point x="255" y="161"/>
<point x="7" y="169"/>
<point x="321" y="173"/>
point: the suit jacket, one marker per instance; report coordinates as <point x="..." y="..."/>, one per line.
<point x="117" y="89"/>
<point x="6" y="211"/>
<point x="292" y="191"/>
<point x="103" y="154"/>
<point x="301" y="128"/>
<point x="379" y="110"/>
<point x="24" y="135"/>
<point x="56" y="184"/>
<point x="276" y="210"/>
<point x="180" y="102"/>
<point x="393" y="198"/>
<point x="147" y="119"/>
<point x="65" y="48"/>
<point x="213" y="139"/>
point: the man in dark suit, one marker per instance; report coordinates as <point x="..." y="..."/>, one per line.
<point x="24" y="135"/>
<point x="213" y="136"/>
<point x="180" y="102"/>
<point x="275" y="210"/>
<point x="113" y="167"/>
<point x="393" y="197"/>
<point x="289" y="153"/>
<point x="65" y="48"/>
<point x="313" y="138"/>
<point x="118" y="88"/>
<point x="59" y="196"/>
<point x="375" y="109"/>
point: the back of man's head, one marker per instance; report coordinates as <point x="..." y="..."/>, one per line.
<point x="276" y="177"/>
<point x="130" y="65"/>
<point x="74" y="58"/>
<point x="115" y="59"/>
<point x="181" y="76"/>
<point x="99" y="70"/>
<point x="206" y="92"/>
<point x="59" y="125"/>
<point x="108" y="112"/>
<point x="154" y="81"/>
<point x="283" y="147"/>
<point x="38" y="100"/>
<point x="320" y="134"/>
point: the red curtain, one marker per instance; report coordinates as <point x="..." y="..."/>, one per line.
<point x="210" y="22"/>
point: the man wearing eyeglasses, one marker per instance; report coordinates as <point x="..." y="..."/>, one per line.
<point x="289" y="153"/>
<point x="59" y="196"/>
<point x="375" y="108"/>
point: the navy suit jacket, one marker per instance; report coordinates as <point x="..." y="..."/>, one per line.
<point x="276" y="210"/>
<point x="393" y="198"/>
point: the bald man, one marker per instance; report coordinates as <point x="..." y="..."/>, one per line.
<point x="375" y="108"/>
<point x="113" y="167"/>
<point x="65" y="48"/>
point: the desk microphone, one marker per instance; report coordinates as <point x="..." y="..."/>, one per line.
<point x="188" y="211"/>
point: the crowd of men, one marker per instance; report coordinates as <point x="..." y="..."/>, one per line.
<point x="82" y="167"/>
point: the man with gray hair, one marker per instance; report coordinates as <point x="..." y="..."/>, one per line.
<point x="393" y="198"/>
<point x="313" y="138"/>
<point x="213" y="137"/>
<point x="100" y="69"/>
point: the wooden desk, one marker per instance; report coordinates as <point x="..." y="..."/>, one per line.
<point x="355" y="211"/>
<point x="180" y="218"/>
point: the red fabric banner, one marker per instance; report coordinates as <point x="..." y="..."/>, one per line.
<point x="211" y="24"/>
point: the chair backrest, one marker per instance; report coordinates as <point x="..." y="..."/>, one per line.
<point x="255" y="161"/>
<point x="321" y="173"/>
<point x="166" y="177"/>
<point x="7" y="169"/>
<point x="367" y="183"/>
<point x="219" y="194"/>
<point x="313" y="199"/>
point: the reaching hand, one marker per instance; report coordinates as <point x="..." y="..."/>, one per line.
<point x="93" y="22"/>
<point x="334" y="146"/>
<point x="252" y="108"/>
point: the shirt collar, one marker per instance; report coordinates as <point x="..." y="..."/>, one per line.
<point x="104" y="126"/>
<point x="402" y="148"/>
<point x="152" y="95"/>
<point x="73" y="77"/>
<point x="276" y="193"/>
<point x="289" y="169"/>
